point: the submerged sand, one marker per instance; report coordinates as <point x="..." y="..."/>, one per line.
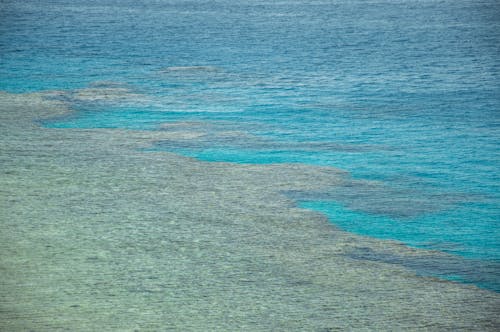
<point x="98" y="234"/>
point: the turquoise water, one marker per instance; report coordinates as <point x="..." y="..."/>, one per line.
<point x="404" y="95"/>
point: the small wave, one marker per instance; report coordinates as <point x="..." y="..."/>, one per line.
<point x="190" y="69"/>
<point x="107" y="84"/>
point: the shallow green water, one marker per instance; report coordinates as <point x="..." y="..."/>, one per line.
<point x="104" y="236"/>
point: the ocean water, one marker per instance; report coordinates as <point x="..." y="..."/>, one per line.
<point x="402" y="95"/>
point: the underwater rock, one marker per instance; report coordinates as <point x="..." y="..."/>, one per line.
<point x="100" y="91"/>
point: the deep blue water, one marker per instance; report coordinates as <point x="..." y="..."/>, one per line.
<point x="404" y="95"/>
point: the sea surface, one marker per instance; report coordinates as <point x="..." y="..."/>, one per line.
<point x="402" y="95"/>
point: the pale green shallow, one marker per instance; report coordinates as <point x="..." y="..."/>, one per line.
<point x="99" y="236"/>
